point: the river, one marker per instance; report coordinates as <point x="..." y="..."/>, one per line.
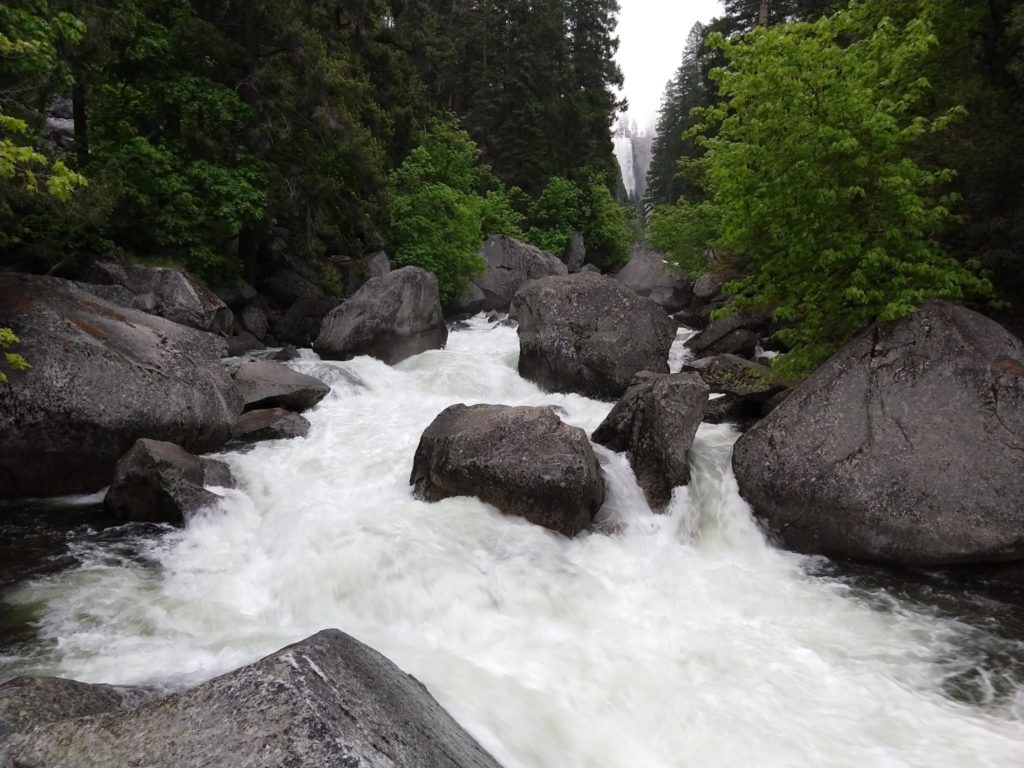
<point x="671" y="641"/>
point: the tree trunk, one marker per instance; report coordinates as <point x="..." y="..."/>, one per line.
<point x="762" y="20"/>
<point x="78" y="108"/>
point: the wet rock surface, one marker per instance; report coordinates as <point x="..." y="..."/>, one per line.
<point x="907" y="447"/>
<point x="656" y="421"/>
<point x="325" y="702"/>
<point x="157" y="482"/>
<point x="268" y="384"/>
<point x="525" y="461"/>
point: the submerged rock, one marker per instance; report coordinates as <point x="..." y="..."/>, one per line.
<point x="391" y="318"/>
<point x="102" y="376"/>
<point x="656" y="421"/>
<point x="168" y="293"/>
<point x="525" y="461"/>
<point x="267" y="384"/>
<point x="326" y="702"/>
<point x="649" y="276"/>
<point x="159" y="482"/>
<point x="589" y="334"/>
<point x="906" y="447"/>
<point x="270" y="424"/>
<point x="510" y="264"/>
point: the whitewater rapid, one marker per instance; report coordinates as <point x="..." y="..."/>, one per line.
<point x="682" y="640"/>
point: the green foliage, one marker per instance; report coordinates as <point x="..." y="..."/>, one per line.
<point x="683" y="232"/>
<point x="563" y="207"/>
<point x="438" y="213"/>
<point x="13" y="360"/>
<point x="30" y="35"/>
<point x="554" y="214"/>
<point x="812" y="183"/>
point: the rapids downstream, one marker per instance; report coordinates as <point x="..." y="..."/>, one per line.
<point x="653" y="642"/>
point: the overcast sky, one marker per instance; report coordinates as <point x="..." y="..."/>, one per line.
<point x="652" y="34"/>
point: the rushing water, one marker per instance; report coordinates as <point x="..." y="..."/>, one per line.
<point x="675" y="640"/>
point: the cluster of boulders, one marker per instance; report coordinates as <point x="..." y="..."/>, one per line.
<point x="133" y="372"/>
<point x="325" y="702"/>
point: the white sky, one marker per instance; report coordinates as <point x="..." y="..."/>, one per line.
<point x="652" y="34"/>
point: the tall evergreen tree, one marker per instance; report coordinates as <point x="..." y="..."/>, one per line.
<point x="687" y="90"/>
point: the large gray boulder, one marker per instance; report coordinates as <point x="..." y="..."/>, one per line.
<point x="168" y="293"/>
<point x="656" y="421"/>
<point x="267" y="384"/>
<point x="906" y="447"/>
<point x="525" y="461"/>
<point x="157" y="482"/>
<point x="326" y="702"/>
<point x="510" y="263"/>
<point x="648" y="275"/>
<point x="589" y="334"/>
<point x="392" y="317"/>
<point x="102" y="376"/>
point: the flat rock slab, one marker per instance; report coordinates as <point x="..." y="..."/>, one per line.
<point x="326" y="702"/>
<point x="268" y="384"/>
<point x="733" y="375"/>
<point x="907" y="447"/>
<point x="525" y="461"/>
<point x="656" y="421"/>
<point x="589" y="334"/>
<point x="270" y="424"/>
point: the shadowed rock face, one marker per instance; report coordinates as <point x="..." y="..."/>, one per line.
<point x="326" y="702"/>
<point x="589" y="334"/>
<point x="906" y="447"/>
<point x="392" y="317"/>
<point x="656" y="421"/>
<point x="270" y="424"/>
<point x="159" y="482"/>
<point x="510" y="264"/>
<point x="168" y="293"/>
<point x="300" y="325"/>
<point x="524" y="461"/>
<point x="102" y="376"/>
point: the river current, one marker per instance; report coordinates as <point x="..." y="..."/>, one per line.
<point x="672" y="641"/>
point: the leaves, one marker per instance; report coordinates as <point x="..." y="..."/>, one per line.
<point x="812" y="184"/>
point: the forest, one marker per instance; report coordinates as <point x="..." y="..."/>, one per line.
<point x="837" y="162"/>
<point x="842" y="162"/>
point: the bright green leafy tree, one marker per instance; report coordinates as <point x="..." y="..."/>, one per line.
<point x="811" y="182"/>
<point x="439" y="212"/>
<point x="30" y="33"/>
<point x="563" y="207"/>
